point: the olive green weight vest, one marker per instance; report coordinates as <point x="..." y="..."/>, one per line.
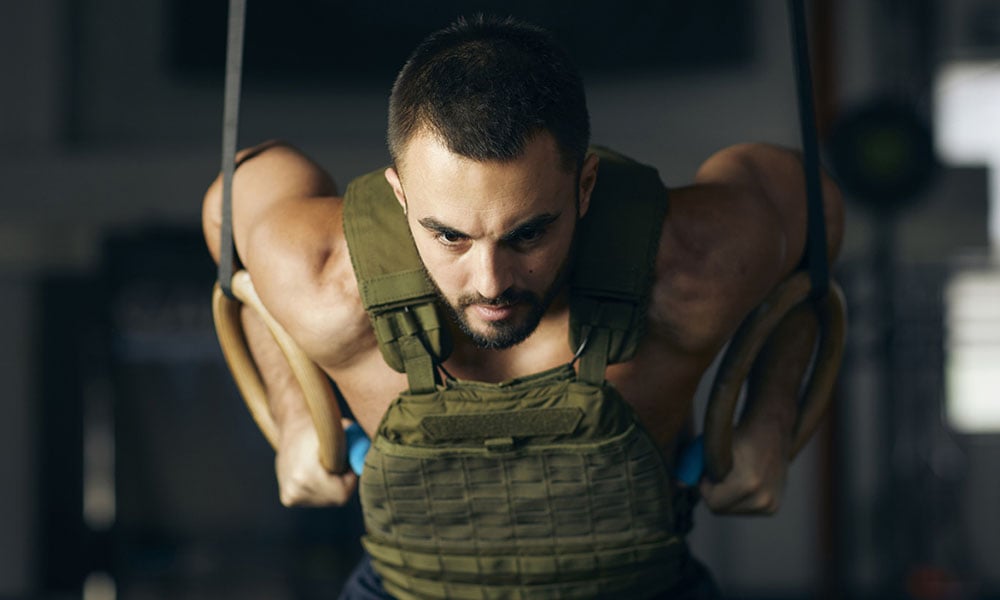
<point x="539" y="487"/>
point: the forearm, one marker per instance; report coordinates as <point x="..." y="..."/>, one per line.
<point x="283" y="391"/>
<point x="302" y="481"/>
<point x="775" y="381"/>
<point x="763" y="441"/>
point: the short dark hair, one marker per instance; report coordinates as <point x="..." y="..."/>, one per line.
<point x="487" y="86"/>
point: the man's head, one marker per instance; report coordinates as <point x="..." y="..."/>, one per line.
<point x="488" y="130"/>
<point x="486" y="86"/>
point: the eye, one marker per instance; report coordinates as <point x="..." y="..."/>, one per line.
<point x="449" y="238"/>
<point x="526" y="236"/>
<point x="529" y="235"/>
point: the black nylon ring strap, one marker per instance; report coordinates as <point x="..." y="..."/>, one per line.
<point x="230" y="130"/>
<point x="815" y="253"/>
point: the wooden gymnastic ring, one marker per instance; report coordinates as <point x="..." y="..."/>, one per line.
<point x="315" y="387"/>
<point x="742" y="353"/>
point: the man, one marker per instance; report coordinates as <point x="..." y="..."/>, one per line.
<point x="489" y="132"/>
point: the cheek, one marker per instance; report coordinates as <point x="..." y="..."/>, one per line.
<point x="442" y="267"/>
<point x="539" y="271"/>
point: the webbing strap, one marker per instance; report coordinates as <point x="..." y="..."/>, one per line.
<point x="419" y="366"/>
<point x="230" y="130"/>
<point x="594" y="360"/>
<point x="815" y="254"/>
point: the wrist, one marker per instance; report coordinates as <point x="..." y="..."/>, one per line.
<point x="773" y="430"/>
<point x="293" y="422"/>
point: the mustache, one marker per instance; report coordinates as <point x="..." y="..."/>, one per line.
<point x="507" y="298"/>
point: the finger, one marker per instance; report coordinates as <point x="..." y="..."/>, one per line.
<point x="754" y="504"/>
<point x="320" y="489"/>
<point x="733" y="497"/>
<point x="337" y="489"/>
<point x="722" y="497"/>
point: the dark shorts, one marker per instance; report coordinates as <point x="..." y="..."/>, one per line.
<point x="696" y="584"/>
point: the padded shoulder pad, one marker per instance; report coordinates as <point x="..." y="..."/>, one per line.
<point x="394" y="288"/>
<point x="616" y="250"/>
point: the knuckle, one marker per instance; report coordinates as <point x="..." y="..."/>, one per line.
<point x="288" y="498"/>
<point x="293" y="490"/>
<point x="767" y="502"/>
<point x="753" y="483"/>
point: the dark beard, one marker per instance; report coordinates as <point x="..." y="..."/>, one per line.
<point x="504" y="335"/>
<point x="501" y="335"/>
<point x="508" y="335"/>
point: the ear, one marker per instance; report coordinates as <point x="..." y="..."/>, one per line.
<point x="588" y="179"/>
<point x="397" y="188"/>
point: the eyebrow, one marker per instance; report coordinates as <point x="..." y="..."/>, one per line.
<point x="533" y="224"/>
<point x="537" y="222"/>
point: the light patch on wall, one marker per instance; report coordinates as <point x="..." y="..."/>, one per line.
<point x="967" y="123"/>
<point x="99" y="586"/>
<point x="967" y="132"/>
<point x="972" y="363"/>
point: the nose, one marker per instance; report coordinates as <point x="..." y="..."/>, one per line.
<point x="494" y="273"/>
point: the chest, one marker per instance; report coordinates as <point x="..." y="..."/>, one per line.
<point x="658" y="384"/>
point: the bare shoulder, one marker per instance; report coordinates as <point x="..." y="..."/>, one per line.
<point x="291" y="241"/>
<point x="305" y="277"/>
<point x="721" y="249"/>
<point x="729" y="238"/>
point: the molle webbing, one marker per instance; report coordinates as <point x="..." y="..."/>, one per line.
<point x="394" y="288"/>
<point x="616" y="249"/>
<point x="545" y="486"/>
<point x="578" y="506"/>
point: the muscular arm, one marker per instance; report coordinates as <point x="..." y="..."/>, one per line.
<point x="272" y="180"/>
<point x="773" y="178"/>
<point x="281" y="212"/>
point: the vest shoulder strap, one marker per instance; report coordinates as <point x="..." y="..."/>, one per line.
<point x="610" y="283"/>
<point x="616" y="250"/>
<point x="394" y="288"/>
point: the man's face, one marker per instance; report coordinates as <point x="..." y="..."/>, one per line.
<point x="494" y="237"/>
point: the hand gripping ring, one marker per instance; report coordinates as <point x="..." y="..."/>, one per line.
<point x="742" y="353"/>
<point x="315" y="387"/>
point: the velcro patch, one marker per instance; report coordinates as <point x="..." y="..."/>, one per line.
<point x="530" y="422"/>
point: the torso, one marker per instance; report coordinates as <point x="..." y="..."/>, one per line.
<point x="691" y="316"/>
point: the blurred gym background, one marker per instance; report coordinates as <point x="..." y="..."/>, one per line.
<point x="129" y="467"/>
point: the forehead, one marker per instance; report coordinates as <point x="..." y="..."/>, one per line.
<point x="442" y="184"/>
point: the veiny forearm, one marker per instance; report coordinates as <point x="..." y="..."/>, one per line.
<point x="283" y="392"/>
<point x="775" y="381"/>
<point x="302" y="481"/>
